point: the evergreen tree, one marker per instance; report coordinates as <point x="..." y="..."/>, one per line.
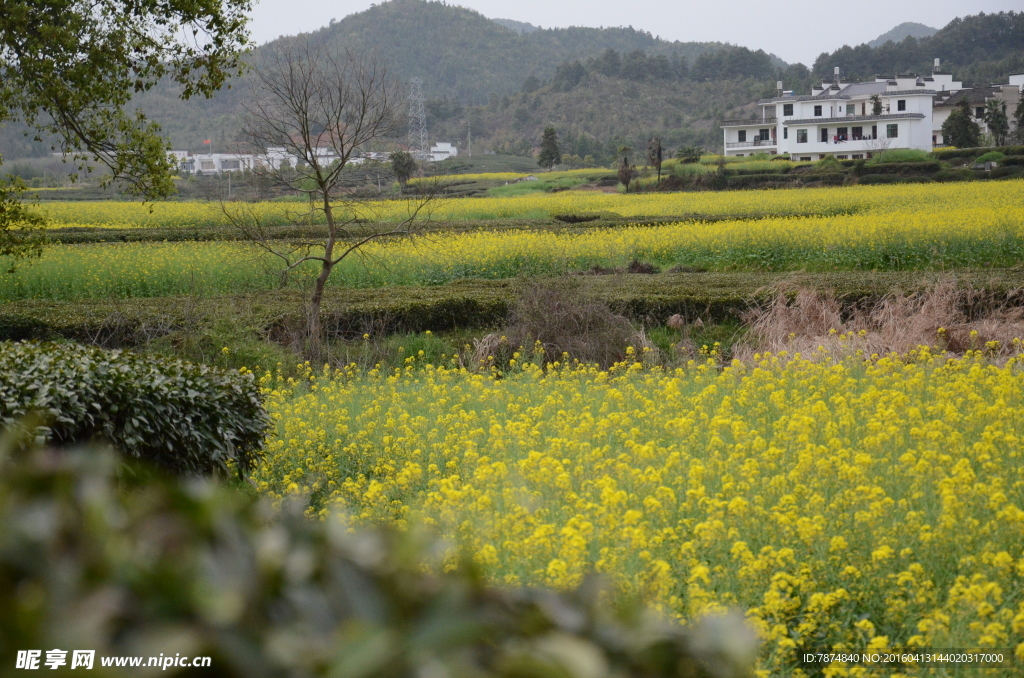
<point x="959" y="130"/>
<point x="689" y="154"/>
<point x="1018" y="120"/>
<point x="550" y="153"/>
<point x="654" y="154"/>
<point x="876" y="104"/>
<point x="998" y="123"/>
<point x="626" y="170"/>
<point x="403" y="165"/>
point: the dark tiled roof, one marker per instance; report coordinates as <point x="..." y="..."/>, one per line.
<point x="843" y="97"/>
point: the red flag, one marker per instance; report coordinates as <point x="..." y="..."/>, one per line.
<point x="206" y="141"/>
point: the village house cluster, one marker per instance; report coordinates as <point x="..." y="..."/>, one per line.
<point x="842" y="119"/>
<point x="277" y="157"/>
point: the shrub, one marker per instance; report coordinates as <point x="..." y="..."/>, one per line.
<point x="922" y="167"/>
<point x="577" y="218"/>
<point x="555" y="317"/>
<point x="892" y="179"/>
<point x="956" y="175"/>
<point x="1005" y="172"/>
<point x="134" y="569"/>
<point x="186" y="418"/>
<point x="901" y="155"/>
<point x="991" y="156"/>
<point x="1012" y="161"/>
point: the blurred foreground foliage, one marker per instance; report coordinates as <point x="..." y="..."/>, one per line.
<point x="185" y="418"/>
<point x="94" y="558"/>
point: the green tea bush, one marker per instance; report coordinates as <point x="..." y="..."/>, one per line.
<point x="1012" y="161"/>
<point x="125" y="568"/>
<point x="186" y="418"/>
<point x="957" y="175"/>
<point x="901" y="155"/>
<point x="960" y="154"/>
<point x="991" y="156"/>
<point x="891" y="179"/>
<point x="924" y="166"/>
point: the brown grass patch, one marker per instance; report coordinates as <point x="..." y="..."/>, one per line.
<point x="552" y="320"/>
<point x="949" y="317"/>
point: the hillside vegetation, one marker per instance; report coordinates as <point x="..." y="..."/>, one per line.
<point x="978" y="48"/>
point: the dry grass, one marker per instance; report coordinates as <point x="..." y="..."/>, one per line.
<point x="554" y="318"/>
<point x="948" y="316"/>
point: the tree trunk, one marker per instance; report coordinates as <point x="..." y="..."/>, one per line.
<point x="314" y="330"/>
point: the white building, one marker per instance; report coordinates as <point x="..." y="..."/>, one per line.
<point x="442" y="150"/>
<point x="1007" y="94"/>
<point x="838" y="118"/>
<point x="212" y="163"/>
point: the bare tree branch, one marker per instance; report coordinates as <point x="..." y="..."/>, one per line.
<point x="311" y="111"/>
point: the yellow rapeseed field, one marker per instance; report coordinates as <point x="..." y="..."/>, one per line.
<point x="982" y="228"/>
<point x="852" y="506"/>
<point x="878" y="200"/>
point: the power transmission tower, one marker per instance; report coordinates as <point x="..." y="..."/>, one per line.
<point x="419" y="147"/>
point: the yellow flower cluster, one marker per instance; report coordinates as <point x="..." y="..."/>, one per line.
<point x="844" y="507"/>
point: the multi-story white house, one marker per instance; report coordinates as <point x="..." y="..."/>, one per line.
<point x="842" y="119"/>
<point x="442" y="150"/>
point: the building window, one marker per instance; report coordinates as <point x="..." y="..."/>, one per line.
<point x="858" y="156"/>
<point x="851" y="109"/>
<point x="842" y="134"/>
<point x="805" y="158"/>
<point x="739" y="155"/>
<point x="787" y="109"/>
<point x="874" y="131"/>
<point x="824" y="135"/>
<point x="742" y="135"/>
<point x="979" y="112"/>
<point x="892" y="131"/>
<point x="764" y="135"/>
<point x="801" y="136"/>
<point x="841" y="157"/>
<point x="229" y="165"/>
<point x="785" y="132"/>
<point x="901" y="105"/>
<point x="817" y="111"/>
<point x="856" y="133"/>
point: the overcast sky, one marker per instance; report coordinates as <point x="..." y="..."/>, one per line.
<point x="795" y="30"/>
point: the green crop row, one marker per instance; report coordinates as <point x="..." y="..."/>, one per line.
<point x="465" y="304"/>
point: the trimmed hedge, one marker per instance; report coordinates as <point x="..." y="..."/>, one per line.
<point x="1012" y="161"/>
<point x="971" y="153"/>
<point x="870" y="179"/>
<point x="188" y="419"/>
<point x="464" y="304"/>
<point x="904" y="168"/>
<point x="1002" y="172"/>
<point x="128" y="568"/>
<point x="957" y="175"/>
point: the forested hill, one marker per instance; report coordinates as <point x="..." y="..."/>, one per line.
<point x="978" y="49"/>
<point x="907" y="29"/>
<point x="462" y="54"/>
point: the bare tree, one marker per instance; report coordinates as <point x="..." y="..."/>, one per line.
<point x="310" y="112"/>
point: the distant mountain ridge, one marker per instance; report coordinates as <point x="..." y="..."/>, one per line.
<point x="460" y="53"/>
<point x="907" y="29"/>
<point x="978" y="49"/>
<point x="517" y="26"/>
